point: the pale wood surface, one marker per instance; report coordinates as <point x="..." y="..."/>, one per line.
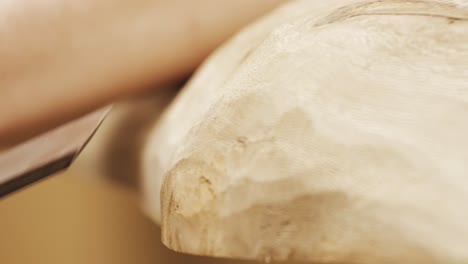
<point x="331" y="131"/>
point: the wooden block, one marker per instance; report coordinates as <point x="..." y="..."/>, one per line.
<point x="46" y="154"/>
<point x="337" y="134"/>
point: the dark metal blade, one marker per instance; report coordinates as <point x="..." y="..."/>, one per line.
<point x="46" y="154"/>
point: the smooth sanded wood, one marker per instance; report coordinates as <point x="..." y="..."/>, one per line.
<point x="47" y="153"/>
<point x="329" y="132"/>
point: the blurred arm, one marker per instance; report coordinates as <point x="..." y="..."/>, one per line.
<point x="60" y="59"/>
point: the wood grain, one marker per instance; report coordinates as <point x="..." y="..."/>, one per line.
<point x="328" y="132"/>
<point x="46" y="154"/>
